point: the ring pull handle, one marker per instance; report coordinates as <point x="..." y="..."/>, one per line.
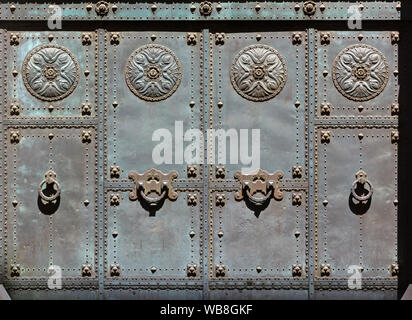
<point x="259" y="182"/>
<point x="153" y="186"/>
<point x="50" y="179"/>
<point x="362" y="182"/>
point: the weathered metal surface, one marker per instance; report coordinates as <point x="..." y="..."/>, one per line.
<point x="80" y="189"/>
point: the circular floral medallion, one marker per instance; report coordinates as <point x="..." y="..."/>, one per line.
<point x="50" y="72"/>
<point x="153" y="72"/>
<point x="360" y="72"/>
<point x="258" y="73"/>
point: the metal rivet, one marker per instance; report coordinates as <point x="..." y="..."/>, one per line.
<point x="325" y="73"/>
<point x="192" y="104"/>
<point x="361" y="6"/>
<point x="89" y="7"/>
<point x="15" y="73"/>
<point x="360" y="108"/>
<point x="114" y="8"/>
<point x="325" y="202"/>
<point x="12" y="8"/>
<point x="257" y="8"/>
<point x="219" y="7"/>
<point x="297" y="234"/>
<point x="360" y="37"/>
<point x="395" y="202"/>
<point x="220" y="234"/>
<point x="154" y="8"/>
<point x="115" y="104"/>
<point x="297" y="7"/>
<point x="322" y="7"/>
<point x="86" y="202"/>
<point x="220" y="104"/>
<point x="153" y="269"/>
<point x="396" y="72"/>
<point x="153" y="37"/>
<point x="15" y="203"/>
<point x="51" y="108"/>
<point x="398" y="6"/>
<point x="193" y="8"/>
<point x="258" y="37"/>
<point x="297" y="103"/>
<point x="51" y="136"/>
<point x="51" y="37"/>
<point x="360" y="136"/>
<point x="115" y="234"/>
<point x="192" y="234"/>
<point x="259" y="269"/>
<point x="86" y="72"/>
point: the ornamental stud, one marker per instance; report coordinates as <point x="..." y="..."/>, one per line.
<point x="15" y="136"/>
<point x="102" y="8"/>
<point x="309" y="8"/>
<point x="14" y="110"/>
<point x="297" y="270"/>
<point x="220" y="39"/>
<point x="259" y="269"/>
<point x="206" y="8"/>
<point x="297" y="38"/>
<point x="15" y="270"/>
<point x="325" y="109"/>
<point x="191" y="171"/>
<point x="86" y="109"/>
<point x="191" y="270"/>
<point x="395" y="37"/>
<point x="296" y="199"/>
<point x="86" y="270"/>
<point x="115" y="38"/>
<point x="191" y="199"/>
<point x="297" y="171"/>
<point x="14" y="39"/>
<point x="115" y="270"/>
<point x="115" y="172"/>
<point x="86" y="136"/>
<point x="325" y="38"/>
<point x="220" y="270"/>
<point x="395" y="136"/>
<point x="325" y="136"/>
<point x="395" y="109"/>
<point x="220" y="172"/>
<point x="153" y="269"/>
<point x="258" y="7"/>
<point x="12" y="8"/>
<point x="153" y="8"/>
<point x="220" y="199"/>
<point x="191" y="38"/>
<point x="394" y="269"/>
<point x="325" y="270"/>
<point x="115" y="200"/>
<point x="87" y="39"/>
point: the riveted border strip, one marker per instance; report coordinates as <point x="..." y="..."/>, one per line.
<point x="190" y="11"/>
<point x="3" y="101"/>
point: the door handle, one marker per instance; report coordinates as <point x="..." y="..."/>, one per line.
<point x="50" y="179"/>
<point x="361" y="181"/>
<point x="153" y="186"/>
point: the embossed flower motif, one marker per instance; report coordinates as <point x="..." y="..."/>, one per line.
<point x="153" y="72"/>
<point x="360" y="72"/>
<point x="50" y="72"/>
<point x="258" y="73"/>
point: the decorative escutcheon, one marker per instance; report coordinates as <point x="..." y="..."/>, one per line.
<point x="50" y="179"/>
<point x="153" y="186"/>
<point x="362" y="181"/>
<point x="259" y="183"/>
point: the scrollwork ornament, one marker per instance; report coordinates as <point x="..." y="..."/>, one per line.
<point x="258" y="73"/>
<point x="360" y="72"/>
<point x="50" y="72"/>
<point x="153" y="72"/>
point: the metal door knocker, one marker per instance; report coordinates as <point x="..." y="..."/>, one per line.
<point x="258" y="188"/>
<point x="152" y="188"/>
<point x="49" y="181"/>
<point x="361" y="194"/>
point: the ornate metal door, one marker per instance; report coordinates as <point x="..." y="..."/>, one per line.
<point x="86" y="206"/>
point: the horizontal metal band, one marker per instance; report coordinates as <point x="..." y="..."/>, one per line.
<point x="42" y="283"/>
<point x="47" y="122"/>
<point x="287" y="184"/>
<point x="225" y="10"/>
<point x="366" y="283"/>
<point x="129" y="185"/>
<point x="275" y="283"/>
<point x="357" y="121"/>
